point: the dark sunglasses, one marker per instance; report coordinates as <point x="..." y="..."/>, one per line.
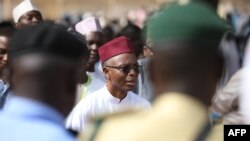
<point x="126" y="68"/>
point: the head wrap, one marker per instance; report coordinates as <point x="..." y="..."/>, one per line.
<point x="22" y="8"/>
<point x="90" y="24"/>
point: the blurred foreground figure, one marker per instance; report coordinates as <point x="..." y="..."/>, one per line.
<point x="120" y="69"/>
<point x="44" y="72"/>
<point x="185" y="69"/>
<point x="6" y="31"/>
<point x="25" y="14"/>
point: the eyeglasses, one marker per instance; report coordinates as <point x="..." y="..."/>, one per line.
<point x="126" y="68"/>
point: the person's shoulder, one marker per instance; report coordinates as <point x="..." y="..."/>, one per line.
<point x="217" y="133"/>
<point x="105" y="127"/>
<point x="62" y="135"/>
<point x="83" y="108"/>
<point x="96" y="93"/>
<point x="54" y="131"/>
<point x="52" y="134"/>
<point x="42" y="130"/>
<point x="91" y="98"/>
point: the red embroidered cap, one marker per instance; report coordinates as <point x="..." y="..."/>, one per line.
<point x="115" y="47"/>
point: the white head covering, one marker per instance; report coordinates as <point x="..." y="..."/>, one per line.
<point x="90" y="24"/>
<point x="245" y="91"/>
<point x="22" y="8"/>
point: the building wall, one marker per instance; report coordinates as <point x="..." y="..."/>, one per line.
<point x="1" y="9"/>
<point x="54" y="9"/>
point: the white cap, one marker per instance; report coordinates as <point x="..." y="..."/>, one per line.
<point x="22" y="8"/>
<point x="90" y="24"/>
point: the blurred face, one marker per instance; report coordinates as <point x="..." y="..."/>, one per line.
<point x="121" y="72"/>
<point x="4" y="44"/>
<point x="29" y="18"/>
<point x="45" y="78"/>
<point x="94" y="40"/>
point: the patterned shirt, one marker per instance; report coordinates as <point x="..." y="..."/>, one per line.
<point x="4" y="93"/>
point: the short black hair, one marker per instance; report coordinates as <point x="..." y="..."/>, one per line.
<point x="4" y="24"/>
<point x="48" y="39"/>
<point x="77" y="35"/>
<point x="131" y="31"/>
<point x="134" y="33"/>
<point x="6" y="28"/>
<point x="80" y="38"/>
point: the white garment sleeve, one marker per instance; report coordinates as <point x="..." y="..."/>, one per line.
<point x="226" y="98"/>
<point x="78" y="117"/>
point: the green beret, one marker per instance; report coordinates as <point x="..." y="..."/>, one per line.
<point x="194" y="21"/>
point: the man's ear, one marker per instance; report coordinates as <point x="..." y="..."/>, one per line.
<point x="106" y="73"/>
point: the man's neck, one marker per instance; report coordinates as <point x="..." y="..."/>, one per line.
<point x="116" y="92"/>
<point x="90" y="68"/>
<point x="198" y="93"/>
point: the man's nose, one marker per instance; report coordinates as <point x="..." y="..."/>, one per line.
<point x="133" y="72"/>
<point x="34" y="19"/>
<point x="94" y="47"/>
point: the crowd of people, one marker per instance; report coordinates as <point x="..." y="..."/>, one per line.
<point x="179" y="77"/>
